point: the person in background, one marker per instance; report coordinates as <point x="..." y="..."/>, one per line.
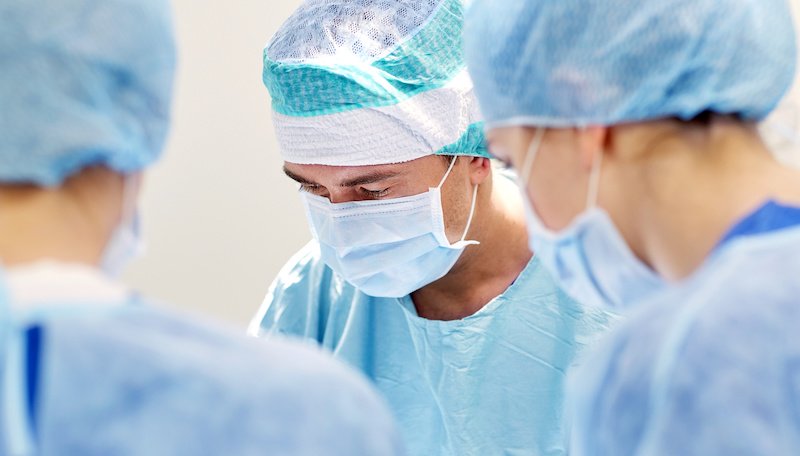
<point x="87" y="366"/>
<point x="419" y="273"/>
<point x="651" y="108"/>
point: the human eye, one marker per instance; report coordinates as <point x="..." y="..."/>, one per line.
<point x="375" y="194"/>
<point x="314" y="189"/>
<point x="505" y="163"/>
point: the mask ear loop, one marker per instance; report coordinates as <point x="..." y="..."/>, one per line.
<point x="530" y="156"/>
<point x="129" y="200"/>
<point x="594" y="182"/>
<point x="471" y="215"/>
<point x="472" y="206"/>
<point x="449" y="169"/>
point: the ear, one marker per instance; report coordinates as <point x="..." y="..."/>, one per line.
<point x="592" y="140"/>
<point x="479" y="168"/>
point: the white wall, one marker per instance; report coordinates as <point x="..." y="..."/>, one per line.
<point x="220" y="219"/>
<point x="787" y="117"/>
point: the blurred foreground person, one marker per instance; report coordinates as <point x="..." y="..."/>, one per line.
<point x="88" y="367"/>
<point x="634" y="127"/>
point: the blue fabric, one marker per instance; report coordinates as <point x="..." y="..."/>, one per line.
<point x="83" y="82"/>
<point x="33" y="344"/>
<point x="769" y="217"/>
<point x="598" y="62"/>
<point x="137" y="381"/>
<point x="710" y="367"/>
<point x="490" y="384"/>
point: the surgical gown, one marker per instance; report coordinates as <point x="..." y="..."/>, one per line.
<point x="489" y="384"/>
<point x="85" y="372"/>
<point x="711" y="366"/>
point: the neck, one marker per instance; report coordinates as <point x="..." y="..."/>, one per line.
<point x="486" y="270"/>
<point x="680" y="200"/>
<point x="70" y="223"/>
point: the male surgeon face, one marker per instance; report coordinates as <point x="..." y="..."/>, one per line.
<point x="342" y="184"/>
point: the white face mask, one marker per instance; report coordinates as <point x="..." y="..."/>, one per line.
<point x="590" y="260"/>
<point x="387" y="248"/>
<point x="126" y="242"/>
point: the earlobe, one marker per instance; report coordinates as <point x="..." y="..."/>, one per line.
<point x="592" y="140"/>
<point x="479" y="168"/>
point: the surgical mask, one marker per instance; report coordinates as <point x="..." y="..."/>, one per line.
<point x="589" y="259"/>
<point x="125" y="243"/>
<point x="387" y="248"/>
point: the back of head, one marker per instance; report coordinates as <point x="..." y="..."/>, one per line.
<point x="366" y="82"/>
<point x="83" y="83"/>
<point x="597" y="62"/>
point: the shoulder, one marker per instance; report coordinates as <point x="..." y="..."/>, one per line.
<point x="279" y="395"/>
<point x="304" y="271"/>
<point x="301" y="297"/>
<point x="706" y="351"/>
<point x="748" y="296"/>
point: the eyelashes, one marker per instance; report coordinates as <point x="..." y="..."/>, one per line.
<point x="375" y="193"/>
<point x="321" y="191"/>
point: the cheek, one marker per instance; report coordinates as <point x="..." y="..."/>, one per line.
<point x="557" y="189"/>
<point x="456" y="201"/>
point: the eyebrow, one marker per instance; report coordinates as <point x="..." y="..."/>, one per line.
<point x="370" y="178"/>
<point x="355" y="182"/>
<point x="297" y="178"/>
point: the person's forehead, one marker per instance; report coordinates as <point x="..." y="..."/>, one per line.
<point x="348" y="174"/>
<point x="344" y="170"/>
<point x="501" y="141"/>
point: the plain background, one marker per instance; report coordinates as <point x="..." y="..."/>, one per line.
<point x="219" y="217"/>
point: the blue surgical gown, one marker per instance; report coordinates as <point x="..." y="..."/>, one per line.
<point x="489" y="384"/>
<point x="712" y="365"/>
<point x="121" y="379"/>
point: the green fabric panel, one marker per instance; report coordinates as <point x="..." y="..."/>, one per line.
<point x="472" y="142"/>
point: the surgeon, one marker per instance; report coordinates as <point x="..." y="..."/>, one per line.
<point x="633" y="125"/>
<point x="87" y="366"/>
<point x="419" y="272"/>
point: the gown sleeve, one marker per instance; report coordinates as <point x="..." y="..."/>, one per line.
<point x="297" y="301"/>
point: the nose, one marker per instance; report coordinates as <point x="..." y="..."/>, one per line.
<point x="340" y="195"/>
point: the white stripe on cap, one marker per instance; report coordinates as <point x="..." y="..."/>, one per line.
<point x="411" y="129"/>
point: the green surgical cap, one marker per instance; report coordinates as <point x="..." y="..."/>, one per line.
<point x="367" y="82"/>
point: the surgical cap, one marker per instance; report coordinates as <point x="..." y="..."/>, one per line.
<point x="82" y="83"/>
<point x="580" y="62"/>
<point x="367" y="82"/>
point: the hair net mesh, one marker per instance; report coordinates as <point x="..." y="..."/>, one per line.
<point x="83" y="82"/>
<point x="366" y="28"/>
<point x="362" y="82"/>
<point x="573" y="62"/>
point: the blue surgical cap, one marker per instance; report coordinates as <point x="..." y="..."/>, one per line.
<point x="369" y="82"/>
<point x="82" y="83"/>
<point x="599" y="62"/>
